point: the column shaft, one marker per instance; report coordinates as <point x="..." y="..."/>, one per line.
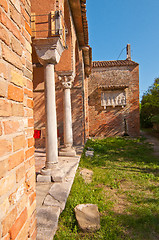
<point x="68" y="139"/>
<point x="51" y="121"/>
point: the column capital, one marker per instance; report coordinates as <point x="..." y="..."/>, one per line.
<point x="48" y="50"/>
<point x="66" y="79"/>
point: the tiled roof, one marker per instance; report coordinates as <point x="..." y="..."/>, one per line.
<point x="115" y="63"/>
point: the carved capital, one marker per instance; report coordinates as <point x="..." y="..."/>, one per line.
<point x="66" y="80"/>
<point x="48" y="50"/>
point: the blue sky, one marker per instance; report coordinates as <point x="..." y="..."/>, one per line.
<point x="114" y="23"/>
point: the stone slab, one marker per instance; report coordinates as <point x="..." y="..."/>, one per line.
<point x="47" y="222"/>
<point x="52" y="197"/>
<point x="43" y="178"/>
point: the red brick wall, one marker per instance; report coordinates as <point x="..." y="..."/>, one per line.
<point x="110" y="121"/>
<point x="17" y="166"/>
<point x="71" y="60"/>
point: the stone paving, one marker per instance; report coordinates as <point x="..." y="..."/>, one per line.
<point x="51" y="197"/>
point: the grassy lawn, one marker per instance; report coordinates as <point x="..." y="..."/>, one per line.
<point x="125" y="187"/>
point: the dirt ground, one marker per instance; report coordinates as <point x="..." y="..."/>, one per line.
<point x="153" y="141"/>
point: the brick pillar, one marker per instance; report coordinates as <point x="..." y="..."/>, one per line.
<point x="17" y="165"/>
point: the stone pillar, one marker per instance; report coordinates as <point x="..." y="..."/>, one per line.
<point x="68" y="150"/>
<point x="49" y="51"/>
<point x="51" y="122"/>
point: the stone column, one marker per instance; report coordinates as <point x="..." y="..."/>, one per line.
<point x="51" y="122"/>
<point x="68" y="150"/>
<point x="49" y="51"/>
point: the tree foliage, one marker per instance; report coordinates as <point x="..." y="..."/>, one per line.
<point x="150" y="105"/>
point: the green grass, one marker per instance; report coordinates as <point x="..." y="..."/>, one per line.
<point x="125" y="187"/>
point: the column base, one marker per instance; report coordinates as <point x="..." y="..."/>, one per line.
<point x="67" y="152"/>
<point x="51" y="175"/>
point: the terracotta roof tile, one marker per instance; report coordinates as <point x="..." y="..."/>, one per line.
<point x="115" y="63"/>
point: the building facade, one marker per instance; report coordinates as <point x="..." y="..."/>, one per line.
<point x="113" y="99"/>
<point x="44" y="61"/>
<point x="46" y="91"/>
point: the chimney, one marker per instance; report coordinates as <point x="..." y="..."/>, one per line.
<point x="128" y="48"/>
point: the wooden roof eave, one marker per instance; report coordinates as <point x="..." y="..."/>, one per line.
<point x="75" y="6"/>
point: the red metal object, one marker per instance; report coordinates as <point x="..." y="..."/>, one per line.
<point x="37" y="133"/>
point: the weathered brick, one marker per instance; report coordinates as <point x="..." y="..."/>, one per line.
<point x="32" y="228"/>
<point x="3" y="88"/>
<point x="19" y="142"/>
<point x="17" y="79"/>
<point x="4" y="207"/>
<point x="4" y="4"/>
<point x="11" y="57"/>
<point x="5" y="147"/>
<point x="16" y="46"/>
<point x="32" y="208"/>
<point x="17" y="226"/>
<point x="4" y="35"/>
<point x="9" y="24"/>
<point x="17" y="109"/>
<point x="3" y="70"/>
<point x="16" y="4"/>
<point x="23" y="235"/>
<point x="10" y="126"/>
<point x="29" y="112"/>
<point x="5" y="108"/>
<point x="25" y="14"/>
<point x="29" y="65"/>
<point x="0" y="129"/>
<point x="30" y="84"/>
<point x="29" y="153"/>
<point x="16" y="196"/>
<point x="29" y="163"/>
<point x="15" y="93"/>
<point x="30" y="142"/>
<point x="28" y="92"/>
<point x="16" y="159"/>
<point x="8" y="221"/>
<point x="4" y="167"/>
<point x="31" y="122"/>
<point x="28" y="28"/>
<point x="7" y="237"/>
<point x="32" y="198"/>
<point x="29" y="132"/>
<point x="29" y="103"/>
<point x="34" y="234"/>
<point x="14" y="14"/>
<point x="28" y="46"/>
<point x="20" y="173"/>
<point x="7" y="184"/>
<point x="27" y="73"/>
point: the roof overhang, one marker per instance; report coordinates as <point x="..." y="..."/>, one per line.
<point x="78" y="9"/>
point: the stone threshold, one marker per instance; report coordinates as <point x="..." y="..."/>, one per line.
<point x="51" y="197"/>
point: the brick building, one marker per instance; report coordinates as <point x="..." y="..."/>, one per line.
<point x="113" y="98"/>
<point x="58" y="55"/>
<point x="49" y="68"/>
